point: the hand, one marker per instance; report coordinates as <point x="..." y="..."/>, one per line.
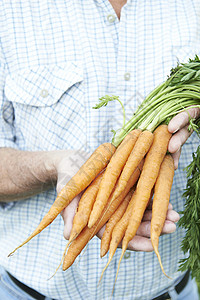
<point x="179" y="127"/>
<point x="142" y="242"/>
<point x="67" y="163"/>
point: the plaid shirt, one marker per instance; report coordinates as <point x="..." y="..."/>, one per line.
<point x="56" y="59"/>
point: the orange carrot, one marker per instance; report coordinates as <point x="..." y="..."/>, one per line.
<point x="161" y="201"/>
<point x="120" y="228"/>
<point x="112" y="173"/>
<point x="88" y="171"/>
<point x="82" y="215"/>
<point x="146" y="182"/>
<point x="140" y="149"/>
<point x="87" y="233"/>
<point x="114" y="219"/>
<point x="84" y="207"/>
<point x="118" y="233"/>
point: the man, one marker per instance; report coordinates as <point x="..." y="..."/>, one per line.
<point x="57" y="59"/>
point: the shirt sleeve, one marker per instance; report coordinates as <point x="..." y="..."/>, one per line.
<point x="7" y="131"/>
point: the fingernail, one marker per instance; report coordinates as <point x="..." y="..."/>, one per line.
<point x="177" y="129"/>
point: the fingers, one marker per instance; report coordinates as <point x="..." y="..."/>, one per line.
<point x="67" y="165"/>
<point x="182" y="119"/>
<point x="68" y="215"/>
<point x="176" y="142"/>
<point x="100" y="232"/>
<point x="172" y="215"/>
<point x="145" y="228"/>
<point x="178" y="139"/>
<point x="169" y="227"/>
<point x="179" y="127"/>
<point x="176" y="157"/>
<point x="140" y="243"/>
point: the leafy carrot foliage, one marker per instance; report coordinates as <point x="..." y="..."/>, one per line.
<point x="190" y="219"/>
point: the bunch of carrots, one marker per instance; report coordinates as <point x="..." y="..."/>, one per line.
<point x="120" y="178"/>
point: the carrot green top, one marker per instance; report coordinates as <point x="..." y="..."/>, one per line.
<point x="180" y="91"/>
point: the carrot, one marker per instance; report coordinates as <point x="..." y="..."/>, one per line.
<point x="118" y="233"/>
<point x="130" y="182"/>
<point x="146" y="182"/>
<point x="114" y="219"/>
<point x="90" y="232"/>
<point x="112" y="173"/>
<point x="84" y="207"/>
<point x="86" y="234"/>
<point x="140" y="149"/>
<point x="88" y="171"/>
<point x="120" y="228"/>
<point x="82" y="215"/>
<point x="161" y="201"/>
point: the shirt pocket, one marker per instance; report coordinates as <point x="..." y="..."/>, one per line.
<point x="42" y="85"/>
<point x="49" y="108"/>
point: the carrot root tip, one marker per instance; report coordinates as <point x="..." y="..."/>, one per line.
<point x="160" y="262"/>
<point x="103" y="252"/>
<point x="104" y="270"/>
<point x="91" y="222"/>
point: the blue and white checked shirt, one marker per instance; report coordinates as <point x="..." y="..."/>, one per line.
<point x="56" y="59"/>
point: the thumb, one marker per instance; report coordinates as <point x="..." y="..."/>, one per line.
<point x="68" y="214"/>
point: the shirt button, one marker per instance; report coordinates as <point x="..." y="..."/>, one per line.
<point x="44" y="93"/>
<point x="127" y="76"/>
<point x="127" y="255"/>
<point x="111" y="18"/>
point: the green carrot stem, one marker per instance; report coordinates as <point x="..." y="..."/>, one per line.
<point x="179" y="91"/>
